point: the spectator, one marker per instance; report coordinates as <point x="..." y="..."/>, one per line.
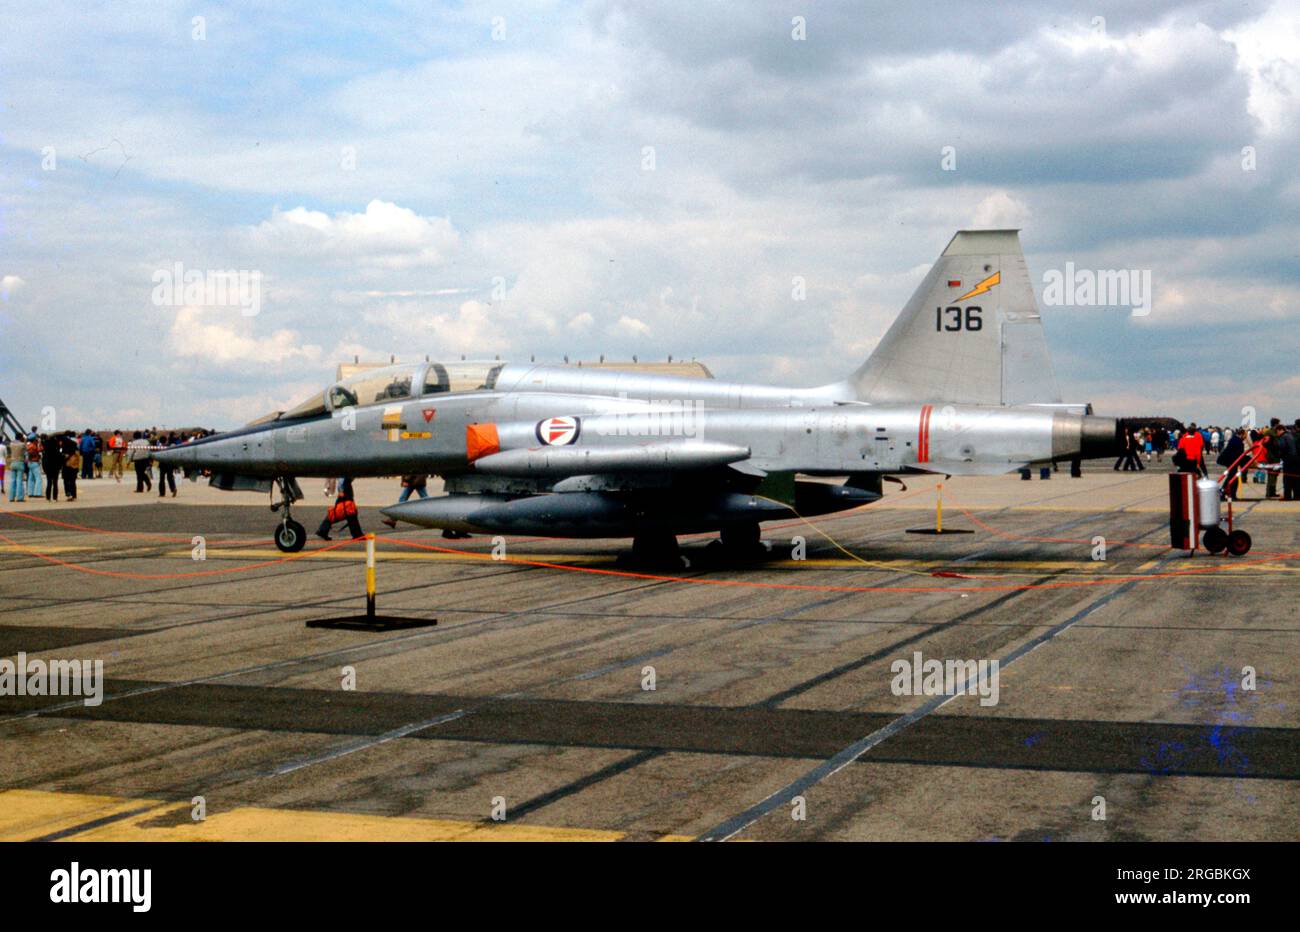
<point x="17" y="461"/>
<point x="343" y="509"/>
<point x="86" y="447"/>
<point x="116" y="454"/>
<point x="51" y="465"/>
<point x="1233" y="458"/>
<point x="1289" y="453"/>
<point x="35" y="483"/>
<point x="1270" y="439"/>
<point x="166" y="472"/>
<point x="137" y="451"/>
<point x="410" y="484"/>
<point x="1191" y="447"/>
<point x="73" y="459"/>
<point x="1129" y="457"/>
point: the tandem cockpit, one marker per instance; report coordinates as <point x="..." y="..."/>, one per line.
<point x="393" y="384"/>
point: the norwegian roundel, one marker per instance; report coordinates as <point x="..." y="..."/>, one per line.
<point x="558" y="431"/>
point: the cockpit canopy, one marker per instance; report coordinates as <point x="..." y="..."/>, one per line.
<point x="398" y="383"/>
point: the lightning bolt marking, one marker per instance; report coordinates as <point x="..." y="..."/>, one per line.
<point x="982" y="286"/>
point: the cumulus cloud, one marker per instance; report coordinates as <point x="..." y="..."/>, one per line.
<point x="1000" y="210"/>
<point x="8" y="285"/>
<point x="218" y="339"/>
<point x="384" y="235"/>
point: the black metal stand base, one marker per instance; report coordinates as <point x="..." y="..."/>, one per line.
<point x="371" y="622"/>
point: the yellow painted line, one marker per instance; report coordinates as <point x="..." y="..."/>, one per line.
<point x="27" y="814"/>
<point x="1005" y="567"/>
<point x="383" y="556"/>
<point x="10" y="548"/>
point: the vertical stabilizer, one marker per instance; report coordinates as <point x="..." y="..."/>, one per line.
<point x="971" y="333"/>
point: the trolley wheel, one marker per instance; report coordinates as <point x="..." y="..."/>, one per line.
<point x="1215" y="539"/>
<point x="1238" y="543"/>
<point x="290" y="536"/>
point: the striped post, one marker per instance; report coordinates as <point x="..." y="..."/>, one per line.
<point x="370" y="575"/>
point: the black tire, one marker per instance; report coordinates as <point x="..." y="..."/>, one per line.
<point x="290" y="536"/>
<point x="1239" y="543"/>
<point x="655" y="549"/>
<point x="742" y="537"/>
<point x="1215" y="539"/>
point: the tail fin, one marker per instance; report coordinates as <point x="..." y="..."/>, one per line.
<point x="971" y="333"/>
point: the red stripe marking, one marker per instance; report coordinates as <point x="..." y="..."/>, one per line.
<point x="923" y="441"/>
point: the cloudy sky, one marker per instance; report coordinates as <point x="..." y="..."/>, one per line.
<point x="617" y="177"/>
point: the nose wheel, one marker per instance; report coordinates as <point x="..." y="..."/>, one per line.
<point x="289" y="534"/>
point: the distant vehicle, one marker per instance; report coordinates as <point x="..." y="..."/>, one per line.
<point x="961" y="384"/>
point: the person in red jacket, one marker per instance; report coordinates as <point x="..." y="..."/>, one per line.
<point x="1192" y="445"/>
<point x="343" y="509"/>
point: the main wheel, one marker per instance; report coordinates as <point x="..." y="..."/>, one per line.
<point x="654" y="548"/>
<point x="290" y="536"/>
<point x="1215" y="539"/>
<point x="1238" y="543"/>
<point x="742" y="537"/>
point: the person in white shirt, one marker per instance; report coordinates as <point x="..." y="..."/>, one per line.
<point x="137" y="451"/>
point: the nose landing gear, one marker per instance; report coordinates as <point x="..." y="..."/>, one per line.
<point x="289" y="534"/>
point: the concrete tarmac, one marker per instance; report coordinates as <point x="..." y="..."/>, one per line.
<point x="577" y="697"/>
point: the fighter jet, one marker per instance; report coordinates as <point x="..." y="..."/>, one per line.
<point x="961" y="384"/>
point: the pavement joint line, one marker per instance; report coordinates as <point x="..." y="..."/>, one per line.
<point x="102" y="821"/>
<point x="365" y="744"/>
<point x="586" y="781"/>
<point x="731" y="827"/>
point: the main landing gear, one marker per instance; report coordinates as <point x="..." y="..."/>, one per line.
<point x="738" y="543"/>
<point x="655" y="549"/>
<point x="289" y="534"/>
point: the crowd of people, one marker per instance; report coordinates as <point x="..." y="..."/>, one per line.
<point x="1269" y="456"/>
<point x="34" y="466"/>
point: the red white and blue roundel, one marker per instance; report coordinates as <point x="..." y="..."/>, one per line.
<point x="559" y="431"/>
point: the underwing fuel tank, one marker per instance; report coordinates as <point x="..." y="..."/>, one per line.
<point x="576" y="461"/>
<point x="587" y="514"/>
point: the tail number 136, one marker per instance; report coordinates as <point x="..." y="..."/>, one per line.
<point x="954" y="319"/>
